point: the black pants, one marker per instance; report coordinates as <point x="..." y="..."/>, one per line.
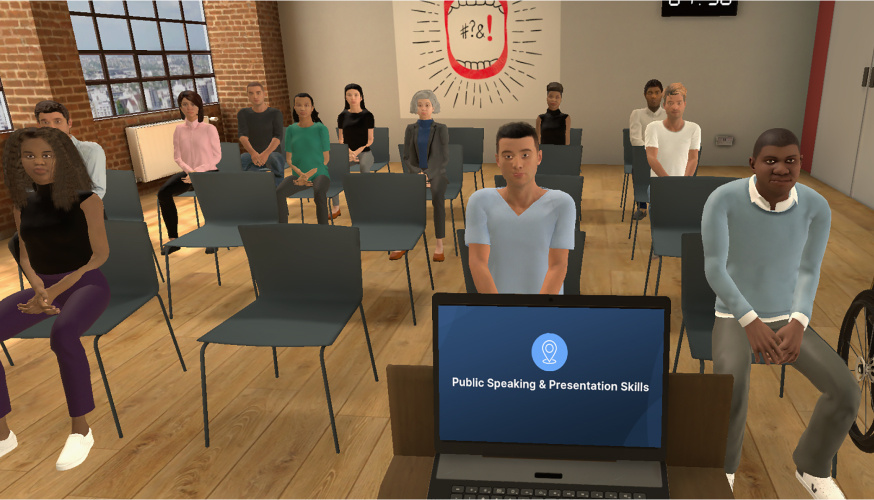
<point x="174" y="186"/>
<point x="438" y="201"/>
<point x="287" y="187"/>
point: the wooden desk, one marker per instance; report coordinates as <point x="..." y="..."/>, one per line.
<point x="697" y="414"/>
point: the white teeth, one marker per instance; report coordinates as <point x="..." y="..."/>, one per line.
<point x="459" y="3"/>
<point x="478" y="64"/>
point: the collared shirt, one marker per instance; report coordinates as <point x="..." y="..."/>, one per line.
<point x="95" y="162"/>
<point x="196" y="146"/>
<point x="640" y="118"/>
<point x="782" y="206"/>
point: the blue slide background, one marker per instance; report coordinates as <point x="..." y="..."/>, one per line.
<point x="611" y="345"/>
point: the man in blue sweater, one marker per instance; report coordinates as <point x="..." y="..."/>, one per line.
<point x="764" y="239"/>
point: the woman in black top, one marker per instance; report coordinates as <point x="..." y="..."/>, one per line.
<point x="554" y="127"/>
<point x="355" y="128"/>
<point x="63" y="244"/>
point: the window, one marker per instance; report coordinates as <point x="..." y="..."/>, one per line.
<point x="5" y="121"/>
<point x="138" y="56"/>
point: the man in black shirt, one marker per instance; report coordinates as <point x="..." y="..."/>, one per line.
<point x="260" y="129"/>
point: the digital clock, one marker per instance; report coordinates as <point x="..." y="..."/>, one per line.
<point x="689" y="8"/>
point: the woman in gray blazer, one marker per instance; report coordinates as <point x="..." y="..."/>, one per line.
<point x="426" y="151"/>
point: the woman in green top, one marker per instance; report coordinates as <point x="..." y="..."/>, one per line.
<point x="307" y="149"/>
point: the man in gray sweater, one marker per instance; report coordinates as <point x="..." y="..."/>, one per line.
<point x="260" y="131"/>
<point x="764" y="240"/>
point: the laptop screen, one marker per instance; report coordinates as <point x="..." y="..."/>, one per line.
<point x="531" y="370"/>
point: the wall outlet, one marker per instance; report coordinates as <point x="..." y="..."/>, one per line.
<point x="724" y="140"/>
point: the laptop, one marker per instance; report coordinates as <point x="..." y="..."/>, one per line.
<point x="540" y="396"/>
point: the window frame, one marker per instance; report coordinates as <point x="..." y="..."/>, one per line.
<point x="5" y="110"/>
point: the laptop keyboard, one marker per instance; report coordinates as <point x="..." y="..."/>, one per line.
<point x="460" y="490"/>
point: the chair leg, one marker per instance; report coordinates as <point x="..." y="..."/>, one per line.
<point x="301" y="210"/>
<point x="6" y="352"/>
<point x="463" y="213"/>
<point x="172" y="335"/>
<point x="218" y="273"/>
<point x="679" y="345"/>
<point x="648" y="267"/>
<point x="203" y="390"/>
<point x="160" y="232"/>
<point x="630" y="225"/>
<point x="106" y="385"/>
<point x="157" y="264"/>
<point x="428" y="259"/>
<point x="454" y="233"/>
<point x="701" y="366"/>
<point x="328" y="395"/>
<point x="622" y="196"/>
<point x="169" y="292"/>
<point x="634" y="243"/>
<point x="410" y="284"/>
<point x="475" y="188"/>
<point x="21" y="278"/>
<point x="782" y="378"/>
<point x="367" y="336"/>
<point x="331" y="211"/>
<point x="481" y="177"/>
<point x="835" y="466"/>
<point x="275" y="364"/>
<point x="658" y="275"/>
<point x="388" y="166"/>
<point x="196" y="211"/>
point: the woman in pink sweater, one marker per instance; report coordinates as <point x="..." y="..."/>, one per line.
<point x="196" y="148"/>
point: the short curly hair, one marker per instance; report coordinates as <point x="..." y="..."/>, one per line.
<point x="70" y="177"/>
<point x="424" y="94"/>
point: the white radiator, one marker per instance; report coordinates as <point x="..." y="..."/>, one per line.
<point x="151" y="149"/>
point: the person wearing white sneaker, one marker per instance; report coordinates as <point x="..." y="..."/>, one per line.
<point x="63" y="244"/>
<point x="764" y="239"/>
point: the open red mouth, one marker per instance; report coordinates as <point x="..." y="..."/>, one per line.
<point x="473" y="65"/>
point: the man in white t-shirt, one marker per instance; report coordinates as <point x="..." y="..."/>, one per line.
<point x="642" y="117"/>
<point x="672" y="144"/>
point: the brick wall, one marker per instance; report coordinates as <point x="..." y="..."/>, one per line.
<point x="39" y="60"/>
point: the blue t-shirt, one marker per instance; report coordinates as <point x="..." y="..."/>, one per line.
<point x="519" y="244"/>
<point x="422" y="142"/>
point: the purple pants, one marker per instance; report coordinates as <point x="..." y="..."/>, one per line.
<point x="80" y="307"/>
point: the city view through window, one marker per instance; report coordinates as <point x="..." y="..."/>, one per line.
<point x="5" y="121"/>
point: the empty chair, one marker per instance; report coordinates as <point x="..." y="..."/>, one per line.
<point x="296" y="306"/>
<point x="677" y="205"/>
<point x="560" y="160"/>
<point x="471" y="140"/>
<point x="640" y="186"/>
<point x="122" y="202"/>
<point x="338" y="166"/>
<point x="626" y="156"/>
<point x="132" y="283"/>
<point x="571" y="279"/>
<point x="253" y="202"/>
<point x="389" y="209"/>
<point x="576" y="136"/>
<point x="570" y="184"/>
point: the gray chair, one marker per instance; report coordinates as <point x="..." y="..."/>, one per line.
<point x="677" y="206"/>
<point x="640" y="184"/>
<point x="132" y="284"/>
<point x="571" y="279"/>
<point x="626" y="156"/>
<point x="122" y="202"/>
<point x="229" y="162"/>
<point x="471" y="140"/>
<point x="295" y="306"/>
<point x="389" y="209"/>
<point x="570" y="184"/>
<point x="227" y="200"/>
<point x="455" y="173"/>
<point x="338" y="166"/>
<point x="576" y="136"/>
<point x="560" y="160"/>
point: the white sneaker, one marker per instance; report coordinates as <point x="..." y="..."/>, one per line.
<point x="730" y="480"/>
<point x="820" y="487"/>
<point x="8" y="444"/>
<point x="75" y="451"/>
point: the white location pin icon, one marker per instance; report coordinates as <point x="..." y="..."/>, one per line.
<point x="549" y="349"/>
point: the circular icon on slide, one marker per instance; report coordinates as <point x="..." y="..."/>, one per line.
<point x="549" y="352"/>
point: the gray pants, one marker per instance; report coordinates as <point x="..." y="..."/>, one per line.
<point x="834" y="412"/>
<point x="365" y="161"/>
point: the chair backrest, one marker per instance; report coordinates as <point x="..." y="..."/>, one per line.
<point x="122" y="200"/>
<point x="640" y="173"/>
<point x="380" y="146"/>
<point x="471" y="139"/>
<point x="571" y="279"/>
<point x="696" y="297"/>
<point x="236" y="198"/>
<point x="570" y="184"/>
<point x="385" y="199"/>
<point x="626" y="147"/>
<point x="455" y="165"/>
<point x="338" y="164"/>
<point x="561" y="160"/>
<point x="129" y="269"/>
<point x="401" y="153"/>
<point x="678" y="201"/>
<point x="576" y="136"/>
<point x="331" y="258"/>
<point x="231" y="161"/>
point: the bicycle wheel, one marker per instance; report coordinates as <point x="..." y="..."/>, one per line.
<point x="856" y="347"/>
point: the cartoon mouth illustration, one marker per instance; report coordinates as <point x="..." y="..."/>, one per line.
<point x="475" y="48"/>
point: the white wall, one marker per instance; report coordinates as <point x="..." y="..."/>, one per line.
<point x="744" y="74"/>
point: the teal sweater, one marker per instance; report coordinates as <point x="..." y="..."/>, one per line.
<point x="762" y="261"/>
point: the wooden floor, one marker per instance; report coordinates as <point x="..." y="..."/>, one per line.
<point x="271" y="437"/>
